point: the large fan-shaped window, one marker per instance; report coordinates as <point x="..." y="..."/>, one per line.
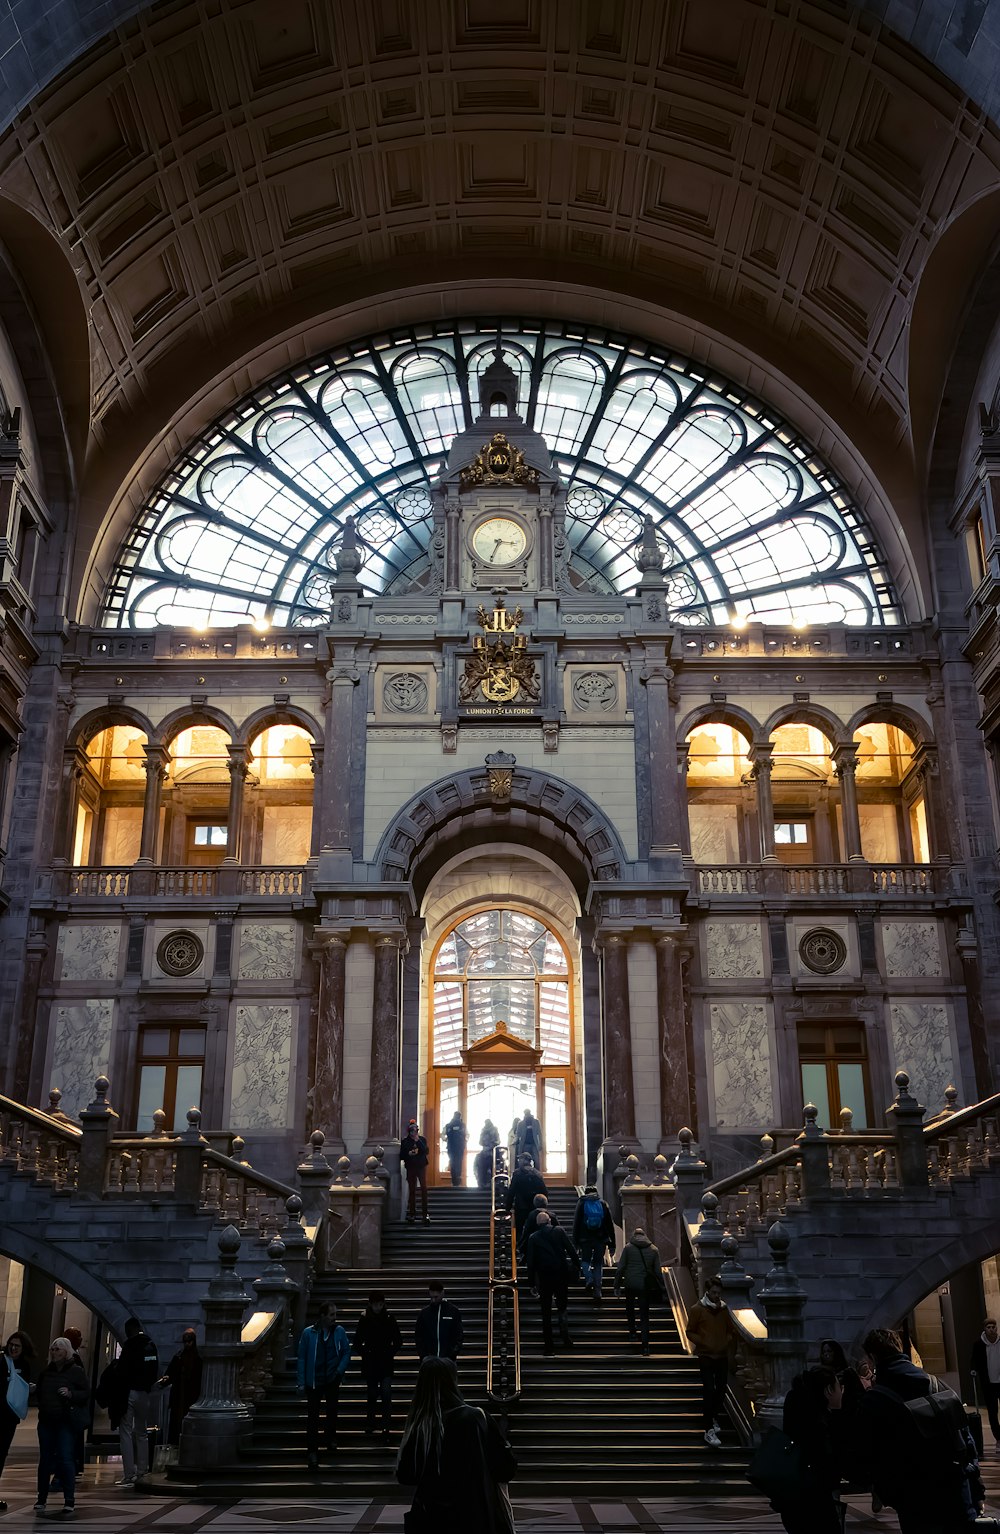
<point x="244" y="527"/>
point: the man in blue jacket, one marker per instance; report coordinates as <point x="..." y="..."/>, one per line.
<point x="324" y="1354"/>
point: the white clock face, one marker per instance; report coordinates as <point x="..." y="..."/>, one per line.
<point x="499" y="541"/>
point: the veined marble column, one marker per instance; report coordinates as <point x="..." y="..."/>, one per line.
<point x="316" y="830"/>
<point x="761" y="757"/>
<point x="35" y="956"/>
<point x="676" y="1104"/>
<point x="665" y="833"/>
<point x="239" y="766"/>
<point x="330" y="949"/>
<point x="619" y="1093"/>
<point x="156" y="760"/>
<point x="845" y="766"/>
<point x="384" y="1087"/>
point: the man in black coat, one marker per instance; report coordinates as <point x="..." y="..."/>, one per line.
<point x="920" y="1459"/>
<point x="521" y="1190"/>
<point x="540" y="1204"/>
<point x="593" y="1235"/>
<point x="414" y="1156"/>
<point x="439" y="1332"/>
<point x="139" y="1366"/>
<point x="985" y="1365"/>
<point x="378" y="1340"/>
<point x="552" y="1260"/>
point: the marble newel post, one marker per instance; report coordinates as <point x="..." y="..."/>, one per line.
<point x="760" y="756"/>
<point x="677" y="1107"/>
<point x="330" y="951"/>
<point x="155" y="765"/>
<point x="845" y="765"/>
<point x="619" y="1094"/>
<point x="383" y="1098"/>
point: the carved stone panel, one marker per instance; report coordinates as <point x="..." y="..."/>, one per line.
<point x="405" y="692"/>
<point x="911" y="948"/>
<point x="178" y="952"/>
<point x="81" y="1050"/>
<point x="89" y="950"/>
<point x="741" y="1065"/>
<point x="734" y="950"/>
<point x="920" y="1043"/>
<point x="262" y="1055"/>
<point x="594" y="694"/>
<point x="267" y="951"/>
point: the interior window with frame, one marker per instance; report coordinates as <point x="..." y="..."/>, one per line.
<point x="833" y="1061"/>
<point x="171" y="1065"/>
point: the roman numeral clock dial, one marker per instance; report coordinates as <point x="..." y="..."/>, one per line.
<point x="499" y="541"/>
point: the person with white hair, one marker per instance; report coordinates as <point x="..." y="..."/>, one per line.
<point x="62" y="1394"/>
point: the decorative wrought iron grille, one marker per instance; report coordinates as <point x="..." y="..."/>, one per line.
<point x="244" y="526"/>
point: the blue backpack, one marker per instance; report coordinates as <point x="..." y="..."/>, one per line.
<point x="593" y="1214"/>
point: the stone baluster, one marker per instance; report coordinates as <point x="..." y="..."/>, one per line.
<point x="330" y="950"/>
<point x="906" y="1119"/>
<point x="782" y="1299"/>
<point x="815" y="1155"/>
<point x="217" y="1429"/>
<point x="99" y="1121"/>
<point x="707" y="1242"/>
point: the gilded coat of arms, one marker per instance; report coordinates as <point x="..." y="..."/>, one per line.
<point x="498" y="463"/>
<point x="499" y="668"/>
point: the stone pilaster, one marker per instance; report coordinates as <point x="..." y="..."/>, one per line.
<point x="383" y="1113"/>
<point x="330" y="950"/>
<point x="676" y="1106"/>
<point x="845" y="766"/>
<point x="762" y="763"/>
<point x="619" y="1094"/>
<point x="239" y="766"/>
<point x="156" y="759"/>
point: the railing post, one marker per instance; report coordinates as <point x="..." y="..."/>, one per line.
<point x="707" y="1242"/>
<point x="189" y="1146"/>
<point x="217" y="1428"/>
<point x="783" y="1300"/>
<point x="276" y="1291"/>
<point x="314" y="1175"/>
<point x="297" y="1249"/>
<point x="652" y="1204"/>
<point x="733" y="1276"/>
<point x="99" y="1121"/>
<point x="815" y="1156"/>
<point x="906" y="1119"/>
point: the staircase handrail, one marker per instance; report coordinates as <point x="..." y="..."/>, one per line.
<point x="247" y="1172"/>
<point x="502" y="1284"/>
<point x="947" y="1123"/>
<point x="757" y="1170"/>
<point x="39" y="1119"/>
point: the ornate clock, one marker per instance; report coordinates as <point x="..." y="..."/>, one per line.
<point x="499" y="541"/>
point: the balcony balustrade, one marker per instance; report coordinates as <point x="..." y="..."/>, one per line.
<point x="173" y="883"/>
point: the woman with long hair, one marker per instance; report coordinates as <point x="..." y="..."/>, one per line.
<point x="811" y="1419"/>
<point x="17" y="1355"/>
<point x="455" y="1456"/>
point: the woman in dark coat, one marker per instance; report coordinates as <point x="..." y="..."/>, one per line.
<point x="378" y="1340"/>
<point x="456" y="1457"/>
<point x="833" y="1356"/>
<point x="184" y="1376"/>
<point x="18" y="1353"/>
<point x="811" y="1420"/>
<point x="62" y="1392"/>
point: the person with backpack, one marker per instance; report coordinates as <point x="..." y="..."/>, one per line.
<point x="640" y="1272"/>
<point x="521" y="1190"/>
<point x="456" y="1138"/>
<point x="810" y="1421"/>
<point x="912" y="1443"/>
<point x="15" y="1387"/>
<point x="552" y="1261"/>
<point x="593" y="1235"/>
<point x="323" y="1356"/>
<point x="139" y="1369"/>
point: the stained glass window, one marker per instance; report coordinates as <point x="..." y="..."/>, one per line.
<point x="509" y="968"/>
<point x="245" y="525"/>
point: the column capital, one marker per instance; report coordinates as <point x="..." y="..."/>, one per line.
<point x="239" y="759"/>
<point x="156" y="758"/>
<point x="761" y="756"/>
<point x="845" y="758"/>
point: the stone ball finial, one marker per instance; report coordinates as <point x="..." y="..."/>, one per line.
<point x="660" y="1167"/>
<point x="230" y="1242"/>
<point x="276" y="1249"/>
<point x="238" y="1147"/>
<point x="371" y="1167"/>
<point x="709" y="1204"/>
<point x="343" y="1169"/>
<point x="846" y="1120"/>
<point x="951" y="1098"/>
<point x="810" y="1113"/>
<point x="317" y="1140"/>
<point x="685" y="1138"/>
<point x="622" y="1154"/>
<point x="902" y="1080"/>
<point x="779" y="1241"/>
<point x="730" y="1247"/>
<point x="193" y="1117"/>
<point x="379" y="1154"/>
<point x="632" y="1162"/>
<point x="293" y="1206"/>
<point x="766" y="1146"/>
<point x="159" y="1122"/>
<point x="55" y="1098"/>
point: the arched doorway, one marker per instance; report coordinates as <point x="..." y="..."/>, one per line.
<point x="501" y="1034"/>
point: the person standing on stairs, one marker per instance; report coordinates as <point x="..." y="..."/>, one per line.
<point x="324" y="1354"/>
<point x="593" y="1235"/>
<point x="439" y="1332"/>
<point x="712" y="1332"/>
<point x="539" y="1203"/>
<point x="640" y="1273"/>
<point x="378" y="1340"/>
<point x="414" y="1156"/>
<point x="528" y="1139"/>
<point x="552" y="1262"/>
<point x="456" y="1138"/>
<point x="521" y="1190"/>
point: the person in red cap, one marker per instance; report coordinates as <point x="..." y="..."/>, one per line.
<point x="414" y="1156"/>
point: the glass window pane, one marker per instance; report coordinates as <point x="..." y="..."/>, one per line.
<point x="447" y="959"/>
<point x="553" y="1003"/>
<point x="447" y="1023"/>
<point x="508" y="1001"/>
<point x="851" y="1085"/>
<point x="556" y="1147"/>
<point x="191" y="1041"/>
<point x="152" y="1081"/>
<point x="554" y="962"/>
<point x="154" y="1042"/>
<point x="187" y="1094"/>
<point x="814" y="1090"/>
<point x="447" y="1107"/>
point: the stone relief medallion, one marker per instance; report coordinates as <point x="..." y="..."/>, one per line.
<point x="822" y="951"/>
<point x="405" y="693"/>
<point x="595" y="690"/>
<point x="180" y="953"/>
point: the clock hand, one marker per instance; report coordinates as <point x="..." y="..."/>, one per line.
<point x="497" y="545"/>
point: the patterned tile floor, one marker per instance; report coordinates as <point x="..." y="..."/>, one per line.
<point x="103" y="1509"/>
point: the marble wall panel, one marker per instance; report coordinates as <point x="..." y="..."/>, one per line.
<point x="734" y="950"/>
<point x="89" y="950"/>
<point x="267" y="951"/>
<point x="920" y="1043"/>
<point x="286" y="834"/>
<point x="714" y="833"/>
<point x="81" y="1050"/>
<point x="741" y="1065"/>
<point x="261" y="1072"/>
<point x="911" y="948"/>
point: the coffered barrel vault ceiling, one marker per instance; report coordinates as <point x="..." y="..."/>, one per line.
<point x="767" y="188"/>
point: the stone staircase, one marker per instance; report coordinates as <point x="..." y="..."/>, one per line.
<point x="595" y="1418"/>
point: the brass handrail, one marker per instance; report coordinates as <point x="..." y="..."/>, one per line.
<point x="503" y="1333"/>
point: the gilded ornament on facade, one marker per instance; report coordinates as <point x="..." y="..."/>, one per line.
<point x="500" y="769"/>
<point x="498" y="463"/>
<point x="496" y="670"/>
